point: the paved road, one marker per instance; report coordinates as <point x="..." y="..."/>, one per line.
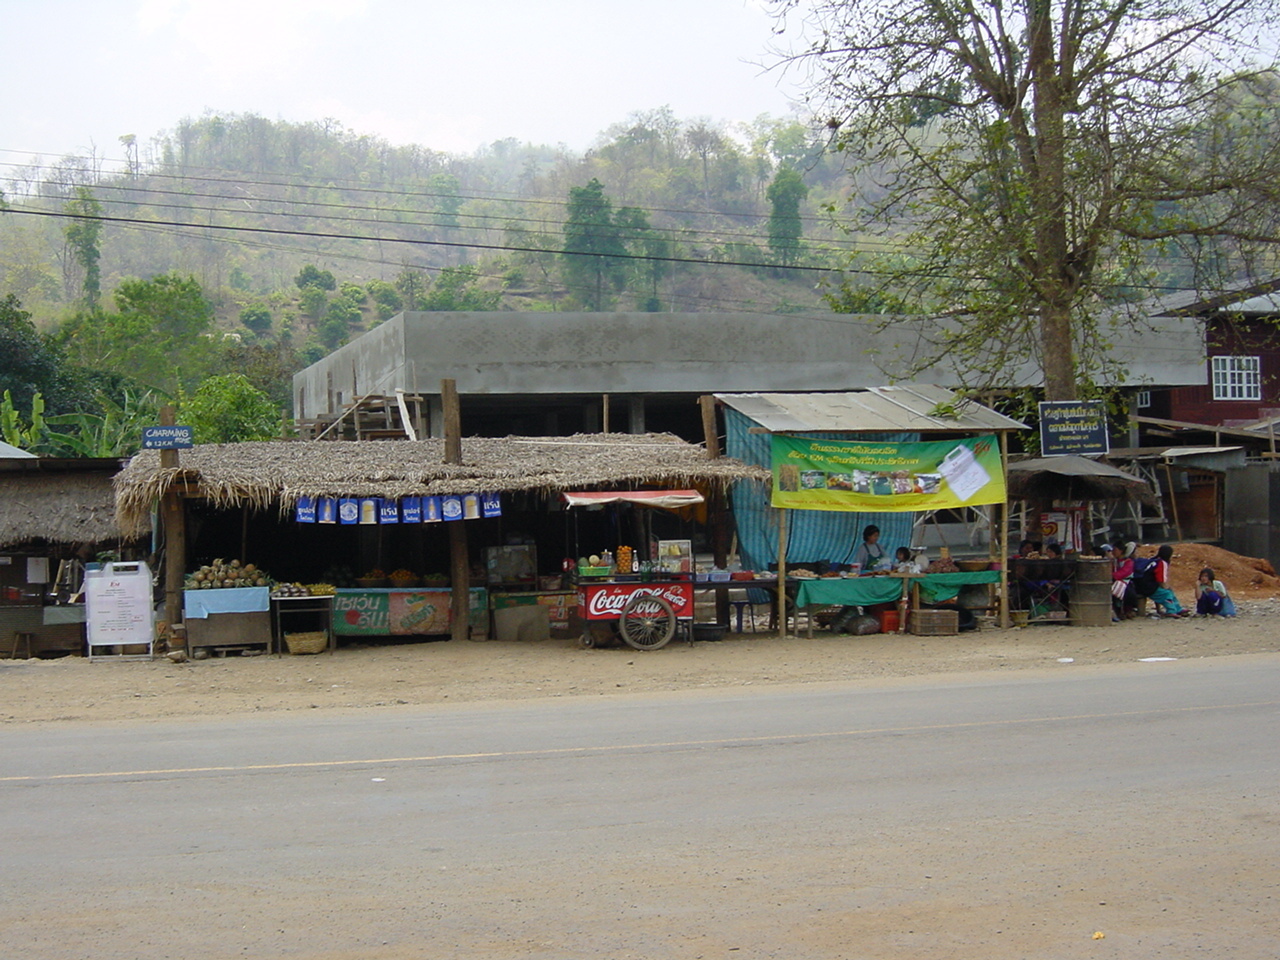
<point x="1005" y="818"/>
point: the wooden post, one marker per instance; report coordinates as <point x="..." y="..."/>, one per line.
<point x="782" y="578"/>
<point x="459" y="561"/>
<point x="1173" y="500"/>
<point x="709" y="433"/>
<point x="452" y="414"/>
<point x="604" y="414"/>
<point x="173" y="521"/>
<point x="1004" y="533"/>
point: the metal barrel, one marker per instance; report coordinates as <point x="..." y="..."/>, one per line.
<point x="1091" y="594"/>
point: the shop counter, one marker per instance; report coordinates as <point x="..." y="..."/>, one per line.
<point x="227" y="618"/>
<point x="894" y="588"/>
<point x="390" y="612"/>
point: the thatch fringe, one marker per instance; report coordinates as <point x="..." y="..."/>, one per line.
<point x="276" y="473"/>
<point x="60" y="508"/>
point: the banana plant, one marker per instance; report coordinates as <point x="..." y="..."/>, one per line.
<point x="12" y="428"/>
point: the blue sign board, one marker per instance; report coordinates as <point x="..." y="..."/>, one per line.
<point x="166" y="438"/>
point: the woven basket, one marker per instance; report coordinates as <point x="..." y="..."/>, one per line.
<point x="316" y="642"/>
<point x="934" y="623"/>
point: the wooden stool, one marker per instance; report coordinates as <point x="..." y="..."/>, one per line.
<point x="19" y="637"/>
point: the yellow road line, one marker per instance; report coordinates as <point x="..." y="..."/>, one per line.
<point x="620" y="748"/>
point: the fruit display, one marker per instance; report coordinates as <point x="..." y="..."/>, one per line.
<point x="221" y="574"/>
<point x="339" y="575"/>
<point x="303" y="590"/>
<point x="401" y="574"/>
<point x="626" y="560"/>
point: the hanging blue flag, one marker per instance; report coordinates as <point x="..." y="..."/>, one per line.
<point x="430" y="509"/>
<point x="348" y="510"/>
<point x="411" y="510"/>
<point x="388" y="511"/>
<point x="328" y="510"/>
<point x="491" y="504"/>
<point x="451" y="506"/>
<point x="305" y="510"/>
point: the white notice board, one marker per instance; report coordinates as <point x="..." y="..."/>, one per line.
<point x="118" y="606"/>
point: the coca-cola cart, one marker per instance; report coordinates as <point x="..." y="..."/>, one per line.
<point x="642" y="609"/>
<point x="644" y="615"/>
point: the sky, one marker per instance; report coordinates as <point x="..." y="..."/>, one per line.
<point x="450" y="75"/>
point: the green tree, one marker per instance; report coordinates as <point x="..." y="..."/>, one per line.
<point x="311" y="276"/>
<point x="29" y="363"/>
<point x="386" y="298"/>
<point x="457" y="288"/>
<point x="229" y="409"/>
<point x="82" y="251"/>
<point x="412" y="285"/>
<point x="785" y="194"/>
<point x="593" y="245"/>
<point x="1028" y="154"/>
<point x="256" y="318"/>
<point x="175" y="305"/>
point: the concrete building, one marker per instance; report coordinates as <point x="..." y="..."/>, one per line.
<point x="549" y="373"/>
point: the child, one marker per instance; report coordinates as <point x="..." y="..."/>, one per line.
<point x="1211" y="596"/>
<point x="902" y="562"/>
<point x="1163" y="596"/>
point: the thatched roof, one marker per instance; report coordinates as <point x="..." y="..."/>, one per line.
<point x="276" y="473"/>
<point x="58" y="507"/>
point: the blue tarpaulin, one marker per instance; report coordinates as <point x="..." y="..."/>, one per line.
<point x="812" y="535"/>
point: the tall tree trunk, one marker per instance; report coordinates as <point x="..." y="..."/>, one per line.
<point x="1054" y="285"/>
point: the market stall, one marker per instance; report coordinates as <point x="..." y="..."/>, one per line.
<point x="57" y="516"/>
<point x="886" y="456"/>
<point x="331" y="516"/>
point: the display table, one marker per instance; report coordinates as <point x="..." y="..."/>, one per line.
<point x="226" y="618"/>
<point x="307" y="608"/>
<point x="412" y="612"/>
<point x="894" y="588"/>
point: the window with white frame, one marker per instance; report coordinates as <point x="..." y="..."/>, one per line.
<point x="1236" y="378"/>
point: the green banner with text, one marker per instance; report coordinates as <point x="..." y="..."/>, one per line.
<point x="886" y="477"/>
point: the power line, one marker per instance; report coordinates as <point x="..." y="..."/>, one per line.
<point x="104" y="218"/>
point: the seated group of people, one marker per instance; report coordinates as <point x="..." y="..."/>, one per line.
<point x="1133" y="577"/>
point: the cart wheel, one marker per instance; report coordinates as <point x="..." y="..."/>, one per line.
<point x="647" y="622"/>
<point x="587" y="640"/>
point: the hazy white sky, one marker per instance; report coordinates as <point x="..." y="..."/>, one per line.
<point x="448" y="74"/>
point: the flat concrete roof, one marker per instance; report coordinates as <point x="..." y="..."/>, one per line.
<point x="535" y="354"/>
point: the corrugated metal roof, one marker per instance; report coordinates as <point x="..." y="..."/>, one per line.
<point x="897" y="409"/>
<point x="10" y="452"/>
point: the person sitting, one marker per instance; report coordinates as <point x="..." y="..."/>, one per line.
<point x="1162" y="596"/>
<point x="1124" y="600"/>
<point x="903" y="562"/>
<point x="869" y="554"/>
<point x="1211" y="596"/>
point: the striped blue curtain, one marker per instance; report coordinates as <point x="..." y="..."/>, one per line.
<point x="812" y="535"/>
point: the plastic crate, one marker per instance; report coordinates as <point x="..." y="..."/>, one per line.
<point x="934" y="623"/>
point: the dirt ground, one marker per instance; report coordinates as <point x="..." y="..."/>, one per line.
<point x="362" y="676"/>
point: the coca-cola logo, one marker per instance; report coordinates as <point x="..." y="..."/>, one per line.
<point x="607" y="601"/>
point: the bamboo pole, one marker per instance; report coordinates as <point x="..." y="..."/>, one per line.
<point x="1004" y="533"/>
<point x="782" y="575"/>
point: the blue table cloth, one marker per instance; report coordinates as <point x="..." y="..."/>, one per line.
<point x="198" y="604"/>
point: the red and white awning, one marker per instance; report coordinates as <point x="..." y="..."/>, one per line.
<point x="666" y="499"/>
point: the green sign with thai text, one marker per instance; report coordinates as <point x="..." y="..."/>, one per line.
<point x="870" y="477"/>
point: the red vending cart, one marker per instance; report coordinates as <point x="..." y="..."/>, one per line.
<point x="642" y="609"/>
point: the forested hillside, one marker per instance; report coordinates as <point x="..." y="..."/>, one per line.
<point x="242" y="203"/>
<point x="237" y="243"/>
